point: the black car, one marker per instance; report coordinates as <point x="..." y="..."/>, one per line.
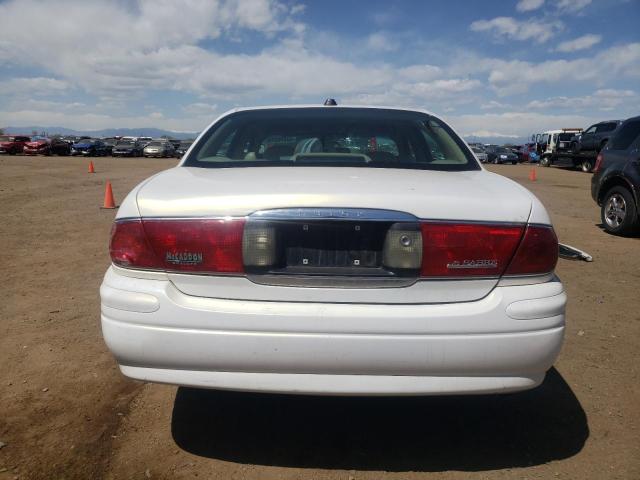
<point x="595" y="137"/>
<point x="500" y="155"/>
<point x="59" y="146"/>
<point x="109" y="143"/>
<point x="183" y="147"/>
<point x="615" y="185"/>
<point x="127" y="148"/>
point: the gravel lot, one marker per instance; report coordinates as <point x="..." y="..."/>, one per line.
<point x="66" y="412"/>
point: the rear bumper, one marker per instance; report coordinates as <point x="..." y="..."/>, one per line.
<point x="504" y="342"/>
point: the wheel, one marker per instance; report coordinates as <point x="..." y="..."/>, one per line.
<point x="587" y="165"/>
<point x="545" y="161"/>
<point x="575" y="148"/>
<point x="619" y="212"/>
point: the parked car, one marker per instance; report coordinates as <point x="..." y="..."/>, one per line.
<point x="144" y="141"/>
<point x="595" y="137"/>
<point x="127" y="148"/>
<point x="615" y="184"/>
<point x="183" y="147"/>
<point x="13" y="144"/>
<point x="37" y="146"/>
<point x="501" y="155"/>
<point x="275" y="258"/>
<point x="480" y="154"/>
<point x="60" y="146"/>
<point x="109" y="143"/>
<point x="89" y="147"/>
<point x="158" y="149"/>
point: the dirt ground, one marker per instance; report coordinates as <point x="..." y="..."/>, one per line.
<point x="66" y="412"/>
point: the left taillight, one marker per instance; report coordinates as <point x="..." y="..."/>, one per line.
<point x="199" y="245"/>
<point x="598" y="164"/>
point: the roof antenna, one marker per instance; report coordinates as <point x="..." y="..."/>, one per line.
<point x="330" y="102"/>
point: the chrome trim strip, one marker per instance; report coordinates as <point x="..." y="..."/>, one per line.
<point x="319" y="281"/>
<point x="393" y="216"/>
<point x="331" y="213"/>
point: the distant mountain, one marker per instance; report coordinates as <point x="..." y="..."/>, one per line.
<point x="108" y="132"/>
<point x="496" y="140"/>
<point x="157" y="132"/>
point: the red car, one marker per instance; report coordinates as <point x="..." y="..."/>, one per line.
<point x="39" y="145"/>
<point x="13" y="144"/>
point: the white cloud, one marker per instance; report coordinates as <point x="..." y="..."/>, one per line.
<point x="572" y="5"/>
<point x="580" y="43"/>
<point x="93" y="121"/>
<point x="515" y="77"/>
<point x="493" y="104"/>
<point x="380" y="41"/>
<point x="33" y="86"/>
<point x="604" y="99"/>
<point x="200" y="108"/>
<point x="510" y="28"/>
<point x="515" y="124"/>
<point x="528" y="5"/>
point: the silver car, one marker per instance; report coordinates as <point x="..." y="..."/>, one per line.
<point x="158" y="149"/>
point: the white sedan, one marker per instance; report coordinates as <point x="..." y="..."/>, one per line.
<point x="333" y="250"/>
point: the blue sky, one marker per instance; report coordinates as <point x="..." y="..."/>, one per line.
<point x="504" y="68"/>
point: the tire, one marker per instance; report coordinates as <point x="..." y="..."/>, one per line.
<point x="587" y="165"/>
<point x="545" y="162"/>
<point x="619" y="213"/>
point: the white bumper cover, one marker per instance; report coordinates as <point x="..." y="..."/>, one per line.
<point x="503" y="342"/>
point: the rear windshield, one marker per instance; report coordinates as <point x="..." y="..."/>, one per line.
<point x="330" y="136"/>
<point x="563" y="137"/>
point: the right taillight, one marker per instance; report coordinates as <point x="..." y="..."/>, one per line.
<point x="598" y="165"/>
<point x="467" y="250"/>
<point x="537" y="253"/>
<point x="452" y="250"/>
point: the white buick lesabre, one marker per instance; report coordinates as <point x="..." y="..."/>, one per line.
<point x="333" y="250"/>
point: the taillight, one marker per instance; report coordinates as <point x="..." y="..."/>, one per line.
<point x="598" y="165"/>
<point x="206" y="246"/>
<point x="537" y="253"/>
<point x="467" y="250"/>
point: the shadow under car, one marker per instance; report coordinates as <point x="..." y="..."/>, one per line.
<point x="468" y="433"/>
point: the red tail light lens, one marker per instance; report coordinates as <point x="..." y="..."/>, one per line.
<point x="129" y="246"/>
<point x="598" y="165"/>
<point x="205" y="246"/>
<point x="537" y="253"/>
<point x="459" y="250"/>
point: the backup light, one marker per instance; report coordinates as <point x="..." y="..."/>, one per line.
<point x="402" y="248"/>
<point x="259" y="245"/>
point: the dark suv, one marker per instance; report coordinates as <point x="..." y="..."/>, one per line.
<point x="615" y="185"/>
<point x="595" y="137"/>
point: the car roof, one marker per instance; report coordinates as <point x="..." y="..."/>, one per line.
<point x="314" y="105"/>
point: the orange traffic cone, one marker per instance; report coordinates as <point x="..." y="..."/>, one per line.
<point x="91" y="169"/>
<point x="108" y="197"/>
<point x="532" y="174"/>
